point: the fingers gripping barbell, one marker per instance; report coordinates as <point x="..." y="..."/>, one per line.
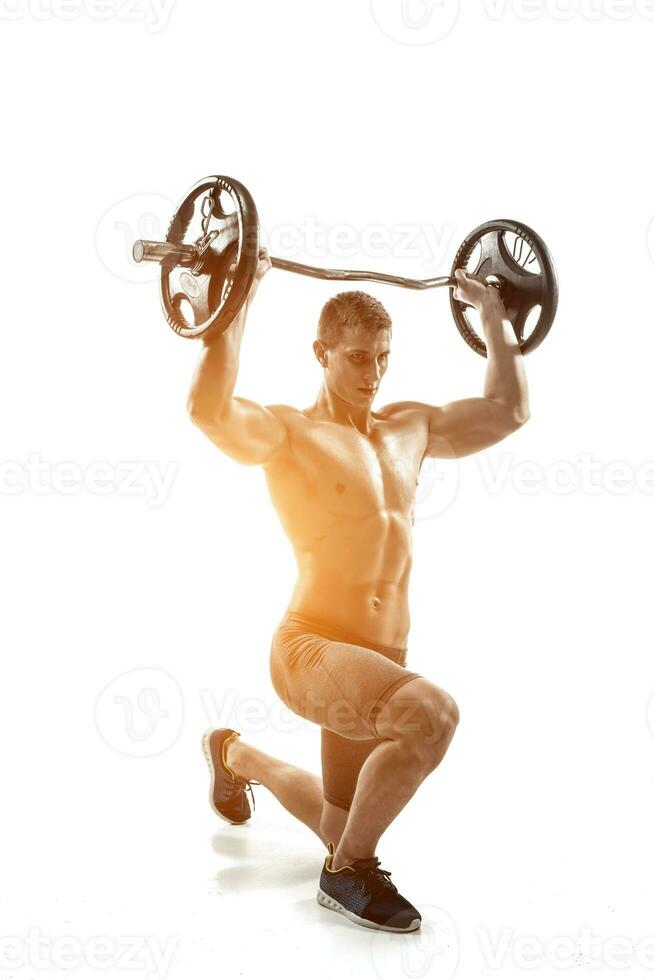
<point x="210" y="256"/>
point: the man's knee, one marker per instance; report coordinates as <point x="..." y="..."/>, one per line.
<point x="423" y="715"/>
<point x="438" y="717"/>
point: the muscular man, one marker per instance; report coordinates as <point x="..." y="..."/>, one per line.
<point x="342" y="478"/>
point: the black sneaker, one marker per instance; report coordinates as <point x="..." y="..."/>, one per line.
<point x="227" y="794"/>
<point x="364" y="893"/>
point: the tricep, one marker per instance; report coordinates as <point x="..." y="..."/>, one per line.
<point x="245" y="431"/>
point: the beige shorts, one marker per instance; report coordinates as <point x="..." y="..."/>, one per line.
<point x="340" y="681"/>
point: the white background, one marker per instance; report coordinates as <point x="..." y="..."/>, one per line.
<point x="530" y="597"/>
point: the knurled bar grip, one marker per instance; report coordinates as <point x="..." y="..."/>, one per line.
<point x="167" y="253"/>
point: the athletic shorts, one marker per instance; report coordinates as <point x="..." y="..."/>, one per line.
<point x="340" y="681"/>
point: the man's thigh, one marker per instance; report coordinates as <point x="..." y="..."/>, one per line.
<point x="339" y="686"/>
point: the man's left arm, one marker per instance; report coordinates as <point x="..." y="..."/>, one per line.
<point x="469" y="425"/>
<point x="506" y="378"/>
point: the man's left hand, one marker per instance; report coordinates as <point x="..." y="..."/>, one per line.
<point x="474" y="290"/>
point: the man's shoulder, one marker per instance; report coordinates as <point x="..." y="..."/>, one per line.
<point x="281" y="409"/>
<point x="405" y="409"/>
<point x="285" y="413"/>
<point x="290" y="418"/>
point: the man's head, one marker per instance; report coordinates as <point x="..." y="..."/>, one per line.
<point x="353" y="344"/>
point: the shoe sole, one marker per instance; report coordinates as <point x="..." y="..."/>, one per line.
<point x="207" y="754"/>
<point x="330" y="903"/>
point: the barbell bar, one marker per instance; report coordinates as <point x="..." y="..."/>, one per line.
<point x="196" y="274"/>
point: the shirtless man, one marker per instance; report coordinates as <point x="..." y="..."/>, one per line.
<point x="342" y="478"/>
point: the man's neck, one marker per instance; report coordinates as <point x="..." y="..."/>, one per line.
<point x="330" y="407"/>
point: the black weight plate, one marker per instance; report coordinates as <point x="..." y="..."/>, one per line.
<point x="522" y="262"/>
<point x="196" y="301"/>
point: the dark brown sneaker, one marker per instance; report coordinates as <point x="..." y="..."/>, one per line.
<point x="227" y="793"/>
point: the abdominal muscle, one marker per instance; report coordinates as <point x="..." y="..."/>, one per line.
<point x="357" y="579"/>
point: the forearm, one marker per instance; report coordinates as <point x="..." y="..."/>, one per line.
<point x="506" y="378"/>
<point x="215" y="377"/>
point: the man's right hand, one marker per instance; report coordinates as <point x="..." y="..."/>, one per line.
<point x="263" y="265"/>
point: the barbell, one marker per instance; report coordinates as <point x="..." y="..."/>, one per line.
<point x="217" y="226"/>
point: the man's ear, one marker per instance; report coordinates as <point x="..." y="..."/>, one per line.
<point x="320" y="352"/>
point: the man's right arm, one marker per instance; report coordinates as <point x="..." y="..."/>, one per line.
<point x="247" y="432"/>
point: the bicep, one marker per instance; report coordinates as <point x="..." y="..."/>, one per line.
<point x="467" y="426"/>
<point x="247" y="432"/>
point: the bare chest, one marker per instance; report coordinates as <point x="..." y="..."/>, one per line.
<point x="339" y="470"/>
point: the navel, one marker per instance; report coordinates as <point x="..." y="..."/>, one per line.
<point x="339" y="488"/>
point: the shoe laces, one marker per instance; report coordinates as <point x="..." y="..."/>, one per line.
<point x="375" y="879"/>
<point x="246" y="784"/>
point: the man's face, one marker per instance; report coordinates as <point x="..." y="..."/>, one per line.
<point x="356" y="366"/>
